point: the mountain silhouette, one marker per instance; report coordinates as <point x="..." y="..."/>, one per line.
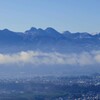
<point x="48" y="39"/>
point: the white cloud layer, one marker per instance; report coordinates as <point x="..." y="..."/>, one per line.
<point x="37" y="58"/>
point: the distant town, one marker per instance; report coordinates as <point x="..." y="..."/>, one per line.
<point x="86" y="87"/>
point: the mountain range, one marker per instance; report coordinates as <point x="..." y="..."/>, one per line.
<point x="48" y="40"/>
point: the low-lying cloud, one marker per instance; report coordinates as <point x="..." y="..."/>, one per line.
<point x="38" y="58"/>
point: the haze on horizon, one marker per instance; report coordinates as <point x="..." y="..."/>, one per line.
<point x="72" y="15"/>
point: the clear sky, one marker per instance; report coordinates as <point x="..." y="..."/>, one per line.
<point x="72" y="15"/>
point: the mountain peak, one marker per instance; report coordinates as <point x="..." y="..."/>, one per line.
<point x="50" y="29"/>
<point x="5" y="30"/>
<point x="33" y="29"/>
<point x="67" y="32"/>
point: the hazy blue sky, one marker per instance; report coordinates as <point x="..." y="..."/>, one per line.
<point x="72" y="15"/>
